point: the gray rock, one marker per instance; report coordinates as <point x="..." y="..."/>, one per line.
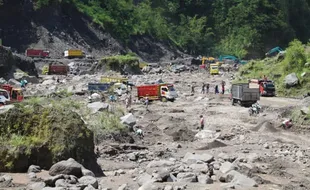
<point x="32" y="175"/>
<point x="2" y="81"/>
<point x="68" y="167"/>
<point x="52" y="180"/>
<point x="240" y="180"/>
<point x="61" y="183"/>
<point x="291" y="80"/>
<point x="31" y="79"/>
<point x="19" y="75"/>
<point x="186" y="177"/>
<point x="34" y="169"/>
<point x="7" y="178"/>
<point x="132" y="156"/>
<point x="162" y="175"/>
<point x="168" y="187"/>
<point x="97" y="106"/>
<point x="87" y="172"/>
<point x="89" y="180"/>
<point x="148" y="186"/>
<point x="227" y="186"/>
<point x="48" y="82"/>
<point x="304" y="110"/>
<point x="194" y="158"/>
<point x="2" y="179"/>
<point x="204" y="179"/>
<point x="144" y="178"/>
<point x="123" y="187"/>
<point x="129" y="119"/>
<point x="89" y="187"/>
<point x="54" y="188"/>
<point x="160" y="163"/>
<point x="36" y="186"/>
<point x="14" y="82"/>
<point x="199" y="168"/>
<point x="226" y="167"/>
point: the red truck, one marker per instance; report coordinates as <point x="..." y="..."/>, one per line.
<point x="55" y="69"/>
<point x="161" y="92"/>
<point x="266" y="87"/>
<point x="37" y="53"/>
<point x="8" y="94"/>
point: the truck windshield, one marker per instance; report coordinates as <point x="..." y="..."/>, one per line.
<point x="171" y="88"/>
<point x="214" y="67"/>
<point x="269" y="85"/>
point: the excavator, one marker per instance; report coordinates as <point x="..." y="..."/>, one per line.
<point x="275" y="51"/>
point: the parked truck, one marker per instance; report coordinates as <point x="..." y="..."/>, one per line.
<point x="161" y="92"/>
<point x="214" y="69"/>
<point x="37" y="53"/>
<point x="98" y="86"/>
<point x="74" y="53"/>
<point x="244" y="95"/>
<point x="8" y="94"/>
<point x="266" y="87"/>
<point x="55" y="69"/>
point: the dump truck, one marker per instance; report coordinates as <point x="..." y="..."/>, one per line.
<point x="112" y="80"/>
<point x="99" y="86"/>
<point x="37" y="53"/>
<point x="74" y="53"/>
<point x="244" y="95"/>
<point x="161" y="92"/>
<point x="266" y="87"/>
<point x="9" y="94"/>
<point x="214" y="69"/>
<point x="55" y="70"/>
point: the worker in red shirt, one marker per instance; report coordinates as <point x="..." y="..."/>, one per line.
<point x="202" y="122"/>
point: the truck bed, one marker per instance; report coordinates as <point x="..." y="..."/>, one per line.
<point x="243" y="93"/>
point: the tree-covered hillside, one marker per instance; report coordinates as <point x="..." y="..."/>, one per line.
<point x="240" y="27"/>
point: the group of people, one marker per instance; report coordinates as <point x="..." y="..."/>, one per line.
<point x="206" y="88"/>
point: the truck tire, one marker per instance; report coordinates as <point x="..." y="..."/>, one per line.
<point x="232" y="101"/>
<point x="163" y="99"/>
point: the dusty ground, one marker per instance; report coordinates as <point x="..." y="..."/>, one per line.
<point x="278" y="158"/>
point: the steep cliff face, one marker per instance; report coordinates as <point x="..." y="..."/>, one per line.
<point x="60" y="27"/>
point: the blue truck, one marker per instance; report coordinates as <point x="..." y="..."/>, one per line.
<point x="98" y="86"/>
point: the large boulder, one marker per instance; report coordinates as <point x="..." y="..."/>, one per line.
<point x="36" y="135"/>
<point x="291" y="80"/>
<point x="129" y="119"/>
<point x="68" y="167"/>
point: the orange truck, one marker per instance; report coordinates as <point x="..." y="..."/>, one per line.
<point x="161" y="92"/>
<point x="266" y="87"/>
<point x="8" y="94"/>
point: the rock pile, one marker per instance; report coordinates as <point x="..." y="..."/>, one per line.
<point x="67" y="174"/>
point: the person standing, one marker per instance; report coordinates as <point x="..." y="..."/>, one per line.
<point x="147" y="103"/>
<point x="202" y="122"/>
<point x="127" y="102"/>
<point x="223" y="88"/>
<point x="216" y="89"/>
<point x="203" y="89"/>
<point x="208" y="86"/>
<point x="192" y="89"/>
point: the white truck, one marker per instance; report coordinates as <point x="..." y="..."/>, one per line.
<point x="4" y="97"/>
<point x="244" y="95"/>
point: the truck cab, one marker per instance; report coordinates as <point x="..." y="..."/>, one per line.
<point x="266" y="87"/>
<point x="214" y="69"/>
<point x="4" y="97"/>
<point x="14" y="94"/>
<point x="168" y="92"/>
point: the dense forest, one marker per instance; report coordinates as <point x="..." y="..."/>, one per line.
<point x="245" y="28"/>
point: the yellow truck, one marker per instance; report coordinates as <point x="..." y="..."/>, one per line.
<point x="74" y="53"/>
<point x="112" y="79"/>
<point x="214" y="69"/>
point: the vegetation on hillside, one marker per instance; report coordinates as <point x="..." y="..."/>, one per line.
<point x="238" y="27"/>
<point x="277" y="68"/>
